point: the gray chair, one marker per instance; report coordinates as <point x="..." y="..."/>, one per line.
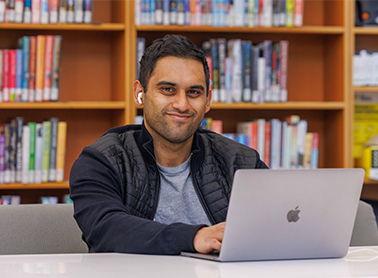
<point x="39" y="229"/>
<point x="365" y="231"/>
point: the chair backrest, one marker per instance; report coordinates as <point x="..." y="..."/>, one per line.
<point x="39" y="229"/>
<point x="365" y="231"/>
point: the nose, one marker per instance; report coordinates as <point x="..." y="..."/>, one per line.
<point x="181" y="102"/>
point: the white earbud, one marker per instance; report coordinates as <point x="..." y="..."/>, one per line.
<point x="140" y="97"/>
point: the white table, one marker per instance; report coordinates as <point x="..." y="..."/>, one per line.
<point x="360" y="262"/>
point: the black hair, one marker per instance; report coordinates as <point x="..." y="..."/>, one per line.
<point x="170" y="45"/>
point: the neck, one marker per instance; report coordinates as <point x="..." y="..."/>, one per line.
<point x="172" y="155"/>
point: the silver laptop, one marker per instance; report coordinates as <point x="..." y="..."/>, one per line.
<point x="289" y="214"/>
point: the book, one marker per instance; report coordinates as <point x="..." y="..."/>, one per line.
<point x="18" y="89"/>
<point x="55" y="78"/>
<point x="166" y="9"/>
<point x="36" y="12"/>
<point x="32" y="68"/>
<point x="301" y="137"/>
<point x="275" y="144"/>
<point x="70" y="16"/>
<point x="13" y="150"/>
<point x="237" y="69"/>
<point x="307" y="151"/>
<point x="247" y="72"/>
<point x="298" y="13"/>
<point x="25" y="154"/>
<point x="290" y="13"/>
<point x="2" y="10"/>
<point x="41" y="41"/>
<point x="267" y="52"/>
<point x="1" y="75"/>
<point x="62" y="11"/>
<point x="215" y="67"/>
<point x="8" y="148"/>
<point x="32" y="130"/>
<point x="6" y="94"/>
<point x="44" y="11"/>
<point x="79" y="11"/>
<point x="261" y="63"/>
<point x="180" y="12"/>
<point x="173" y="12"/>
<point x="61" y="151"/>
<point x="48" y="61"/>
<point x="217" y="126"/>
<point x="222" y="45"/>
<point x="25" y="68"/>
<point x="87" y="11"/>
<point x="2" y="154"/>
<point x="38" y="153"/>
<point x="19" y="10"/>
<point x="267" y="146"/>
<point x="141" y="44"/>
<point x="315" y="150"/>
<point x="46" y="150"/>
<point x="27" y="11"/>
<point x="10" y="11"/>
<point x="251" y="130"/>
<point x="12" y="74"/>
<point x="53" y="146"/>
<point x="284" y="53"/>
<point x="54" y="10"/>
<point x="19" y="126"/>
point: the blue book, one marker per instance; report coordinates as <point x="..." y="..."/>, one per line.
<point x="166" y="20"/>
<point x="27" y="11"/>
<point x="25" y="68"/>
<point x="215" y="13"/>
<point x="187" y="12"/>
<point x="247" y="92"/>
<point x="151" y="12"/>
<point x="18" y="90"/>
<point x="243" y="139"/>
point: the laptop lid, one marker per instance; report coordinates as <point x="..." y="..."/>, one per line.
<point x="290" y="214"/>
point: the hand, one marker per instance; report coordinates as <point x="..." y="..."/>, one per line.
<point x="209" y="239"/>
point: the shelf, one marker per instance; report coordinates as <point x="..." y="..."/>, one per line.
<point x="366" y="89"/>
<point x="45" y="185"/>
<point x="373" y="30"/>
<point x="282" y="105"/>
<point x="104" y="105"/>
<point x="65" y="26"/>
<point x="209" y="29"/>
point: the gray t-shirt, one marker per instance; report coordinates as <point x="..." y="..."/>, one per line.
<point x="178" y="200"/>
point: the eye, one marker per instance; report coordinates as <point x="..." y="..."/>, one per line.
<point x="168" y="89"/>
<point x="194" y="93"/>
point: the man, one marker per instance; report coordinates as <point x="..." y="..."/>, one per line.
<point x="162" y="187"/>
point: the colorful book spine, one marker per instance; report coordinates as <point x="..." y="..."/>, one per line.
<point x="10" y="11"/>
<point x="1" y="75"/>
<point x="55" y="81"/>
<point x="2" y="10"/>
<point x="268" y="70"/>
<point x="44" y="12"/>
<point x="25" y="153"/>
<point x="222" y="50"/>
<point x="6" y="95"/>
<point x="19" y="125"/>
<point x="215" y="66"/>
<point x="7" y="134"/>
<point x="247" y="72"/>
<point x="173" y="12"/>
<point x="61" y="151"/>
<point x="25" y="68"/>
<point x="284" y="53"/>
<point x="87" y="11"/>
<point x="2" y="154"/>
<point x="36" y="12"/>
<point x="237" y="71"/>
<point x="32" y="68"/>
<point x="315" y="150"/>
<point x="70" y="11"/>
<point x="38" y="153"/>
<point x="27" y="11"/>
<point x="18" y="91"/>
<point x="12" y="150"/>
<point x="41" y="42"/>
<point x="290" y="13"/>
<point x="46" y="150"/>
<point x="267" y="143"/>
<point x="54" y="9"/>
<point x="12" y="74"/>
<point x="32" y="128"/>
<point x="298" y="13"/>
<point x="54" y="142"/>
<point x="166" y="9"/>
<point x="48" y="61"/>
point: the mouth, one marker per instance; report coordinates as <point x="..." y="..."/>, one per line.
<point x="179" y="117"/>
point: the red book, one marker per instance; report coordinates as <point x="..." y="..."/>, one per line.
<point x="267" y="143"/>
<point x="210" y="65"/>
<point x="12" y="74"/>
<point x="217" y="126"/>
<point x="48" y="67"/>
<point x="6" y="95"/>
<point x="253" y="135"/>
<point x="32" y="68"/>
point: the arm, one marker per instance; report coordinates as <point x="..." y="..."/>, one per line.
<point x="106" y="222"/>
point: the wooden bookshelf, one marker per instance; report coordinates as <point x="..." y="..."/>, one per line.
<point x="98" y="71"/>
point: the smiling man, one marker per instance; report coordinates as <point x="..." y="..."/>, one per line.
<point x="161" y="187"/>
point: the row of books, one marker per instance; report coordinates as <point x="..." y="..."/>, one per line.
<point x="239" y="13"/>
<point x="33" y="152"/>
<point x="365" y="68"/>
<point x="46" y="11"/>
<point x="46" y="200"/>
<point x="281" y="144"/>
<point x="32" y="71"/>
<point x="241" y="71"/>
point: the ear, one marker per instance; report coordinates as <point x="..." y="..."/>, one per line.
<point x="208" y="101"/>
<point x="137" y="90"/>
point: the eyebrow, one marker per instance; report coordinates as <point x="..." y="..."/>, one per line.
<point x="198" y="87"/>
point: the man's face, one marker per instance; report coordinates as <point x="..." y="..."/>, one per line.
<point x="175" y="102"/>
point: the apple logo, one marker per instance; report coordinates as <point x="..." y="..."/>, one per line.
<point x="292" y="215"/>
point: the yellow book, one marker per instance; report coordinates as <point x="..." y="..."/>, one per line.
<point x="365" y="125"/>
<point x="307" y="151"/>
<point x="40" y="65"/>
<point x="369" y="161"/>
<point x="61" y="151"/>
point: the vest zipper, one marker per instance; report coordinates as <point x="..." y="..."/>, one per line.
<point x="199" y="195"/>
